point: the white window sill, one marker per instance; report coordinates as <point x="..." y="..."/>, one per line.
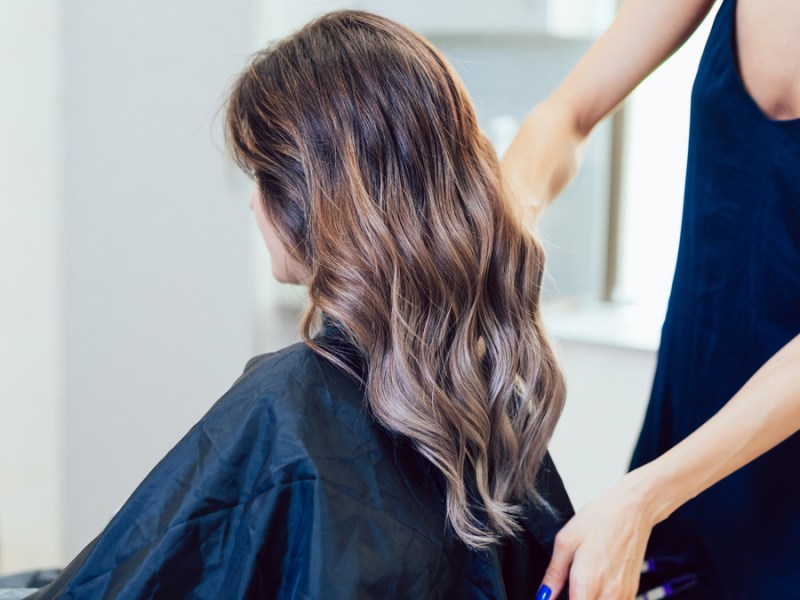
<point x="633" y="327"/>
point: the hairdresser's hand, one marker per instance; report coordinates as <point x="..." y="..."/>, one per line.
<point x="599" y="552"/>
<point x="543" y="157"/>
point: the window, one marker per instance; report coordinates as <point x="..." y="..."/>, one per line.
<point x="655" y="146"/>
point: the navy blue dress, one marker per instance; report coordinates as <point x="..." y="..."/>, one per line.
<point x="735" y="302"/>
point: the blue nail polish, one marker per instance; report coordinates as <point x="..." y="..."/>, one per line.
<point x="544" y="593"/>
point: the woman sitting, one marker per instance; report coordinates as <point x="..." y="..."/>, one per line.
<point x="400" y="450"/>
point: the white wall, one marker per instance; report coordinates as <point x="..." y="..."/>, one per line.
<point x="607" y="391"/>
<point x="126" y="253"/>
<point x="157" y="288"/>
<point x="30" y="337"/>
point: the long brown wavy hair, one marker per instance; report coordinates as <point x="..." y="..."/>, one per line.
<point x="370" y="163"/>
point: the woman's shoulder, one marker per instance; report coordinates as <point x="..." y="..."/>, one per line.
<point x="294" y="390"/>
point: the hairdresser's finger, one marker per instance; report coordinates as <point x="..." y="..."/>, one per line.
<point x="558" y="570"/>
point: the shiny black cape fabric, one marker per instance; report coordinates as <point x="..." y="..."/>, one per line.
<point x="288" y="488"/>
<point x="735" y="302"/>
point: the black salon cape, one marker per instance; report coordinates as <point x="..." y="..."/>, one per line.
<point x="288" y="488"/>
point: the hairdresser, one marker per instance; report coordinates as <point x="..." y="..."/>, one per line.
<point x="714" y="480"/>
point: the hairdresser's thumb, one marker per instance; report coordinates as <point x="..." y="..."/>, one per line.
<point x="557" y="571"/>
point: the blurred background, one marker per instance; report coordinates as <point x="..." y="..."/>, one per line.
<point x="133" y="285"/>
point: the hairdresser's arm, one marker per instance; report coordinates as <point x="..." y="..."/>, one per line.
<point x="600" y="551"/>
<point x="546" y="152"/>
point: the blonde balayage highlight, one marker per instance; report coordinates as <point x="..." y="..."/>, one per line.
<point x="370" y="162"/>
